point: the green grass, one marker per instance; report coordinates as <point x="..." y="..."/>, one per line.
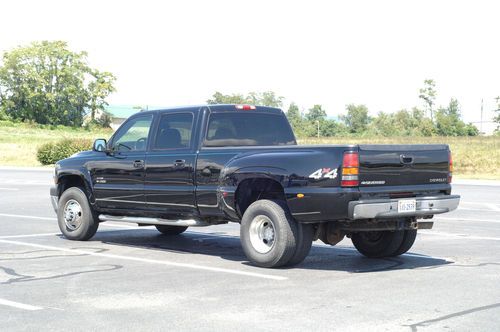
<point x="473" y="157"/>
<point x="19" y="141"/>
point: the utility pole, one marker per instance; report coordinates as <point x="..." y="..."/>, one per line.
<point x="481" y="126"/>
<point x="318" y="127"/>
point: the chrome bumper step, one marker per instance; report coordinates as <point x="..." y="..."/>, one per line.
<point x="153" y="221"/>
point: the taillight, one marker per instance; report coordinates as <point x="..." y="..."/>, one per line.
<point x="450" y="162"/>
<point x="245" y="107"/>
<point x="350" y="170"/>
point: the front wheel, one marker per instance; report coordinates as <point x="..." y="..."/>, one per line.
<point x="76" y="219"/>
<point x="269" y="235"/>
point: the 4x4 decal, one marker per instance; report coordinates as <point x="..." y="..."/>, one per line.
<point x="324" y="173"/>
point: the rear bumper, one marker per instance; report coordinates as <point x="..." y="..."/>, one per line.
<point x="388" y="208"/>
<point x="53" y="198"/>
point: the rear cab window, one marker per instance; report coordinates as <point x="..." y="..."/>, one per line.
<point x="248" y="129"/>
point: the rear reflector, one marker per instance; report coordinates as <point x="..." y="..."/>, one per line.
<point x="350" y="169"/>
<point x="245" y="107"/>
<point x="350" y="183"/>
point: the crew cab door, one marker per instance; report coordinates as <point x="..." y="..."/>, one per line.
<point x="170" y="164"/>
<point x="118" y="177"/>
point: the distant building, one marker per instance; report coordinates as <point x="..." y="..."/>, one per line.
<point x="120" y="113"/>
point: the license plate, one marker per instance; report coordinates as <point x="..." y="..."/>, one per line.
<point x="407" y="205"/>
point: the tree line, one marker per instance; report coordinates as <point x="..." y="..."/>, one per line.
<point x="47" y="83"/>
<point x="430" y="121"/>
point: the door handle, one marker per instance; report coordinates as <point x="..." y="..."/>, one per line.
<point x="406" y="159"/>
<point x="206" y="172"/>
<point x="179" y="162"/>
<point x="139" y="163"/>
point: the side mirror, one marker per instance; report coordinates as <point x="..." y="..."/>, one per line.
<point x="100" y="145"/>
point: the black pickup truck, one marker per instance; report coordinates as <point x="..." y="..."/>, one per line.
<point x="206" y="165"/>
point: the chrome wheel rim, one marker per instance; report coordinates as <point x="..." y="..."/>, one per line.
<point x="262" y="234"/>
<point x="72" y="215"/>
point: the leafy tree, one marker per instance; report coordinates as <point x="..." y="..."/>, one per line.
<point x="316" y="113"/>
<point x="266" y="98"/>
<point x="428" y="95"/>
<point x="99" y="89"/>
<point x="47" y="83"/>
<point x="357" y="118"/>
<point x="294" y="116"/>
<point x="329" y="128"/>
<point x="497" y="118"/>
<point x="423" y="125"/>
<point x="219" y="98"/>
<point x="384" y="125"/>
<point x="449" y="123"/>
<point x="471" y="130"/>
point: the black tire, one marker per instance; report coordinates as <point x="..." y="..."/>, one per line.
<point x="408" y="240"/>
<point x="304" y="243"/>
<point x="378" y="243"/>
<point x="281" y="243"/>
<point x="85" y="222"/>
<point x="170" y="230"/>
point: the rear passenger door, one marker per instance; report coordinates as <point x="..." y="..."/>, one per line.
<point x="169" y="182"/>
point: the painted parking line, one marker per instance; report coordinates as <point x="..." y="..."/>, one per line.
<point x="23" y="216"/>
<point x="479" y="206"/>
<point x="466" y="219"/>
<point x="460" y="236"/>
<point x="492" y="206"/>
<point x="28" y="235"/>
<point x="23" y="182"/>
<point x="19" y="305"/>
<point x="9" y="189"/>
<point x="149" y="261"/>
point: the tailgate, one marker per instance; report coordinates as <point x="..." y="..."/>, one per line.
<point x="397" y="165"/>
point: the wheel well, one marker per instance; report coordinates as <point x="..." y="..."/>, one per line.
<point x="69" y="181"/>
<point x="251" y="190"/>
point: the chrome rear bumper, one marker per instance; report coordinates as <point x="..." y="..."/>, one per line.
<point x="388" y="208"/>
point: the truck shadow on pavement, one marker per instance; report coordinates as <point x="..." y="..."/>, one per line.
<point x="228" y="247"/>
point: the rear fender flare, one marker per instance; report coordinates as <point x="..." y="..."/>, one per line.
<point x="230" y="182"/>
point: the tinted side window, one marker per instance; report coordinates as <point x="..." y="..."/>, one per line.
<point x="244" y="129"/>
<point x="174" y="131"/>
<point x="133" y="135"/>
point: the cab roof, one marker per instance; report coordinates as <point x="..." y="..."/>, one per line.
<point x="217" y="108"/>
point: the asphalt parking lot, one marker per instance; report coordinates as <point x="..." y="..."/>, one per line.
<point x="131" y="278"/>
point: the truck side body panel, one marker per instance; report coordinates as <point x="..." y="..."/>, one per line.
<point x="202" y="181"/>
